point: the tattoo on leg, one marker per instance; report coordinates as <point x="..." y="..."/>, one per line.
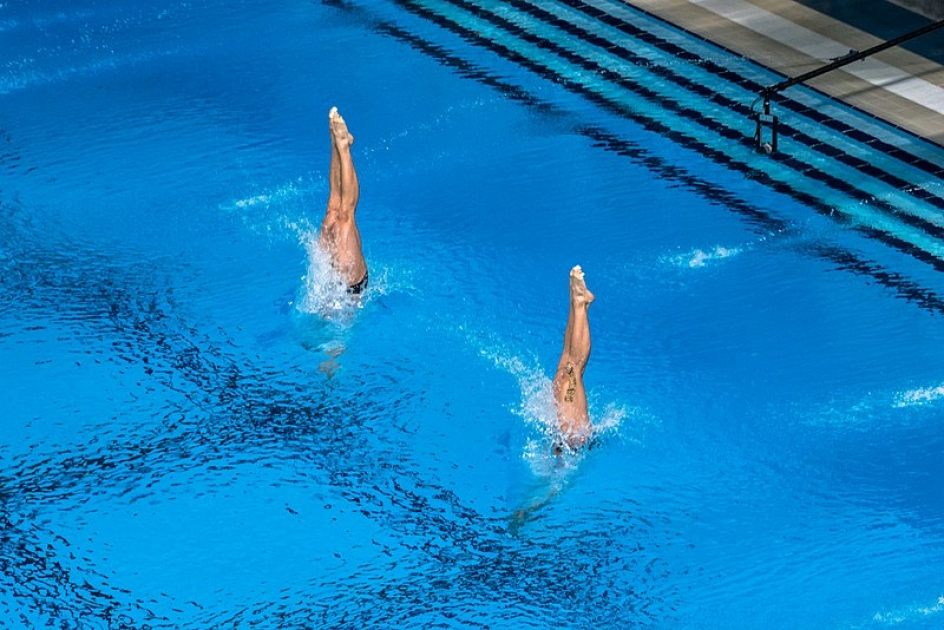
<point x="571" y="384"/>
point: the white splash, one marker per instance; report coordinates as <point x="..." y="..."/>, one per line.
<point x="282" y="212"/>
<point x="280" y="196"/>
<point x="253" y="201"/>
<point x="323" y="292"/>
<point x="539" y="411"/>
<point x="863" y="410"/>
<point x="699" y="258"/>
<point x="919" y="396"/>
<point x="909" y="614"/>
<point x="537" y="405"/>
<point x="610" y="419"/>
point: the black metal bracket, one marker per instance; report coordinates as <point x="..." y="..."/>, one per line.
<point x="764" y="120"/>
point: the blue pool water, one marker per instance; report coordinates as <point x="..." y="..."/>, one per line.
<point x="186" y="441"/>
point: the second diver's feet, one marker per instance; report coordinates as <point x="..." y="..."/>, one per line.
<point x="579" y="293"/>
<point x="339" y="131"/>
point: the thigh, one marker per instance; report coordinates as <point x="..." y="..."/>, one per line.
<point x="571" y="397"/>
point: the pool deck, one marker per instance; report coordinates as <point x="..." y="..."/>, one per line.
<point x="896" y="85"/>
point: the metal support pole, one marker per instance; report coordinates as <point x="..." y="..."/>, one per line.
<point x="764" y="119"/>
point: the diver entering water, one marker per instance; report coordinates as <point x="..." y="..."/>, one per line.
<point x="574" y="430"/>
<point x="339" y="237"/>
<point x="570" y="396"/>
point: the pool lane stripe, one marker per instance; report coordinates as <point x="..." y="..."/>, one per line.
<point x="592" y="9"/>
<point x="871" y="143"/>
<point x="843" y="259"/>
<point x="933" y="247"/>
<point x="731" y="134"/>
<point x="898" y="186"/>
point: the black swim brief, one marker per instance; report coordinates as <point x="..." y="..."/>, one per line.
<point x="358" y="287"/>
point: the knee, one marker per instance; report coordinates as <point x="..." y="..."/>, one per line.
<point x="580" y="367"/>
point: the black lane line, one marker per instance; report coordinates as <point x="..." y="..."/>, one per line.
<point x="694" y="115"/>
<point x="690" y="85"/>
<point x="934" y="168"/>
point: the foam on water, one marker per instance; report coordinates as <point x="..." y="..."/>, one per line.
<point x="699" y="258"/>
<point x="864" y="410"/>
<point x="282" y="212"/>
<point x="920" y="396"/>
<point x="909" y="614"/>
<point x="280" y="196"/>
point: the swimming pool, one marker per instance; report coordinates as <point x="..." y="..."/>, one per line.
<point x="179" y="450"/>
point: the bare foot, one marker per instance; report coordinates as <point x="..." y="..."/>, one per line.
<point x="579" y="292"/>
<point x="342" y="137"/>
